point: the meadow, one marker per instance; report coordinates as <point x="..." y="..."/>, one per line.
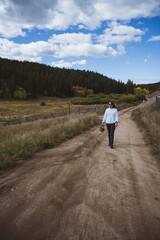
<point x="29" y="110"/>
<point x="20" y="141"/>
<point x="14" y="109"/>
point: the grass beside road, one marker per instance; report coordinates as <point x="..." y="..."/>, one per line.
<point x="18" y="142"/>
<point x="148" y="119"/>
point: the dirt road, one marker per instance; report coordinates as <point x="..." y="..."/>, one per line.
<point x="83" y="190"/>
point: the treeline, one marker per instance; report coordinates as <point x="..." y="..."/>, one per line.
<point x="30" y="80"/>
<point x="151" y="86"/>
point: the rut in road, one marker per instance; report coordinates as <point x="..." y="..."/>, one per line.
<point x="83" y="190"/>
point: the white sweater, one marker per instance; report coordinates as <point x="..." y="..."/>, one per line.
<point x="110" y="116"/>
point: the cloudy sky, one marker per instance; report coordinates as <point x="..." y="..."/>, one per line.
<point x="120" y="38"/>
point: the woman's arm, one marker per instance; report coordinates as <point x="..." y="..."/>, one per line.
<point x="104" y="117"/>
<point x="116" y="119"/>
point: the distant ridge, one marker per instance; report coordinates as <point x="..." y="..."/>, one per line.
<point x="151" y="86"/>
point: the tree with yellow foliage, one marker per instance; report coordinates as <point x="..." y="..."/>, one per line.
<point x="139" y="90"/>
<point x="81" y="91"/>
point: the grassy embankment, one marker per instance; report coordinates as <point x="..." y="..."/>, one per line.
<point x="148" y="119"/>
<point x="18" y="142"/>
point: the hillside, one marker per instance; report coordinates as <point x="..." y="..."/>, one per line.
<point x="39" y="80"/>
<point x="151" y="86"/>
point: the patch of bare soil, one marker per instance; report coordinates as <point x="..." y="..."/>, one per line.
<point x="83" y="190"/>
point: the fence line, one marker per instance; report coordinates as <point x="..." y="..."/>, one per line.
<point x="66" y="112"/>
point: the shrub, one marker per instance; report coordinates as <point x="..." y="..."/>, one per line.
<point x="20" y="93"/>
<point x="43" y="103"/>
<point x="104" y="99"/>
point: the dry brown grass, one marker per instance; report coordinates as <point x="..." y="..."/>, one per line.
<point x="18" y="142"/>
<point x="148" y="119"/>
<point x="15" y="109"/>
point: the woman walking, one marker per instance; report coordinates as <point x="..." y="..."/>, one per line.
<point x="111" y="119"/>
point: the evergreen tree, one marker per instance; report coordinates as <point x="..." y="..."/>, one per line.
<point x="38" y="80"/>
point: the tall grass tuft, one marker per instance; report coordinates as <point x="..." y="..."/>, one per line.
<point x="148" y="119"/>
<point x="18" y="142"/>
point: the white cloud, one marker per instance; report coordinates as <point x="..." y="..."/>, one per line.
<point x="154" y="38"/>
<point x="62" y="63"/>
<point x="74" y="44"/>
<point x="146" y="59"/>
<point x="11" y="50"/>
<point x="145" y="81"/>
<point x="71" y="38"/>
<point x="121" y="49"/>
<point x="79" y="44"/>
<point x="17" y="15"/>
<point x="118" y="34"/>
<point x="10" y="30"/>
<point x="81" y="26"/>
<point x="59" y="47"/>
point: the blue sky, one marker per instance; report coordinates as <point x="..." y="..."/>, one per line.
<point x="119" y="39"/>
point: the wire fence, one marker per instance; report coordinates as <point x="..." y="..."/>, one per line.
<point x="65" y="112"/>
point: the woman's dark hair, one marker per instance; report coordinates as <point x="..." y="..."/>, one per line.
<point x="112" y="104"/>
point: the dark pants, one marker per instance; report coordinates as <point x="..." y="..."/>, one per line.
<point x="111" y="128"/>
